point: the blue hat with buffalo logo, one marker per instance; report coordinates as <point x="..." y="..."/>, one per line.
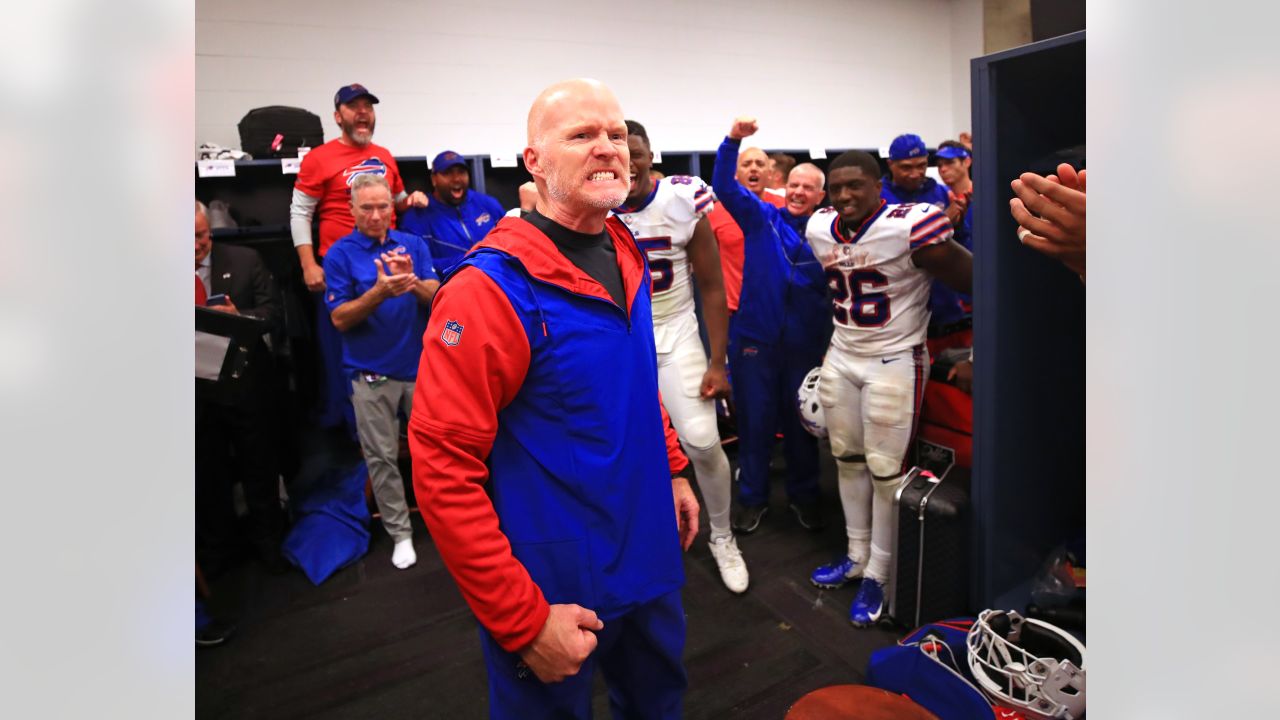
<point x="907" y="146"/>
<point x="446" y="160"/>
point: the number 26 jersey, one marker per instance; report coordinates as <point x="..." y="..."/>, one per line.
<point x="879" y="298"/>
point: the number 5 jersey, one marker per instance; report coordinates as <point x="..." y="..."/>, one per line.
<point x="663" y="225"/>
<point x="879" y="298"/>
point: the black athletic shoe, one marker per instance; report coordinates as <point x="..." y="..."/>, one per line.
<point x="808" y="514"/>
<point x="747" y="518"/>
<point x="213" y="634"/>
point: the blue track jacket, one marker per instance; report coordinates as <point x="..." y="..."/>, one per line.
<point x="784" y="289"/>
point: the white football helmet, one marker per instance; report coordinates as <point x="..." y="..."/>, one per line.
<point x="811" y="415"/>
<point x="1028" y="665"/>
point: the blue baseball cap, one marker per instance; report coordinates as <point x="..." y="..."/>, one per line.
<point x="446" y="160"/>
<point x="347" y="93"/>
<point x="951" y="151"/>
<point x="907" y="146"/>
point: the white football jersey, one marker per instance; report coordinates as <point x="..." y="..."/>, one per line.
<point x="663" y="225"/>
<point x="879" y="298"/>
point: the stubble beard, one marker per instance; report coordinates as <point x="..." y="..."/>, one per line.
<point x="560" y="191"/>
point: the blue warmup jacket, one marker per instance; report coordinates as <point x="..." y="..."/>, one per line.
<point x="452" y="231"/>
<point x="931" y="191"/>
<point x="948" y="306"/>
<point x="535" y="384"/>
<point x="784" y="289"/>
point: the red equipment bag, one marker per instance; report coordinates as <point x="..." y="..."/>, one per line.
<point x="946" y="428"/>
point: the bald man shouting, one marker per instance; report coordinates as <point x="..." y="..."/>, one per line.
<point x="538" y="378"/>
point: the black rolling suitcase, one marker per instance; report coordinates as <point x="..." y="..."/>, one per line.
<point x="931" y="555"/>
<point x="278" y="131"/>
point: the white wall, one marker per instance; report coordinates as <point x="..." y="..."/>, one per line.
<point x="461" y="75"/>
<point x="966" y="44"/>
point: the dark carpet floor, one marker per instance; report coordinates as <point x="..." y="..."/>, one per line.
<point x="377" y="642"/>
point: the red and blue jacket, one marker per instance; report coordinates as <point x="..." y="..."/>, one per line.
<point x="539" y="461"/>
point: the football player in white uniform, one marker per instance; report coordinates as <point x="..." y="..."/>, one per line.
<point x="668" y="219"/>
<point x="879" y="260"/>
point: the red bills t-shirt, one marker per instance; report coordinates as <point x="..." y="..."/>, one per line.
<point x="326" y="173"/>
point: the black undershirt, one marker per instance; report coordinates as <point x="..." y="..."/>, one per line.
<point x="592" y="254"/>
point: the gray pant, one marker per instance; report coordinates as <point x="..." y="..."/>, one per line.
<point x="379" y="431"/>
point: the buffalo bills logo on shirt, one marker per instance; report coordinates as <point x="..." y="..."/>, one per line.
<point x="452" y="333"/>
<point x="484" y="218"/>
<point x="750" y="351"/>
<point x="371" y="165"/>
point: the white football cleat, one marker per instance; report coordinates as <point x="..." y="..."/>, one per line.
<point x="733" y="569"/>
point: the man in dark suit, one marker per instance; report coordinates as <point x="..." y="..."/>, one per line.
<point x="234" y="280"/>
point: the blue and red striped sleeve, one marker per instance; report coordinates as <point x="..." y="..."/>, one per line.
<point x="474" y="359"/>
<point x="933" y="228"/>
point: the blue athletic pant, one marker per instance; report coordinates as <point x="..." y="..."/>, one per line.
<point x="765" y="381"/>
<point x="335" y="386"/>
<point x="639" y="654"/>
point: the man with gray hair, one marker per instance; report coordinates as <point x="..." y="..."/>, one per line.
<point x="234" y="280"/>
<point x="379" y="285"/>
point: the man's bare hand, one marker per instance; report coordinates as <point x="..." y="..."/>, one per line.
<point x="686" y="511"/>
<point x="715" y="383"/>
<point x="393" y="285"/>
<point x="1050" y="212"/>
<point x="565" y="641"/>
<point x="528" y="196"/>
<point x="227" y="307"/>
<point x="417" y="199"/>
<point x="959" y="205"/>
<point x="962" y="375"/>
<point x="313" y="276"/>
<point x="743" y="127"/>
<point x="397" y="263"/>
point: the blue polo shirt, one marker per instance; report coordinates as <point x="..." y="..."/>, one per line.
<point x="389" y="341"/>
<point x="452" y="231"/>
<point x="931" y="191"/>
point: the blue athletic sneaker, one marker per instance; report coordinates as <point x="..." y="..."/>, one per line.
<point x="868" y="604"/>
<point x="836" y="574"/>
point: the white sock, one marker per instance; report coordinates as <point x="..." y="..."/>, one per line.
<point x="404" y="556"/>
<point x="859" y="545"/>
<point x="878" y="566"/>
<point x="881" y="527"/>
<point x="855" y="498"/>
